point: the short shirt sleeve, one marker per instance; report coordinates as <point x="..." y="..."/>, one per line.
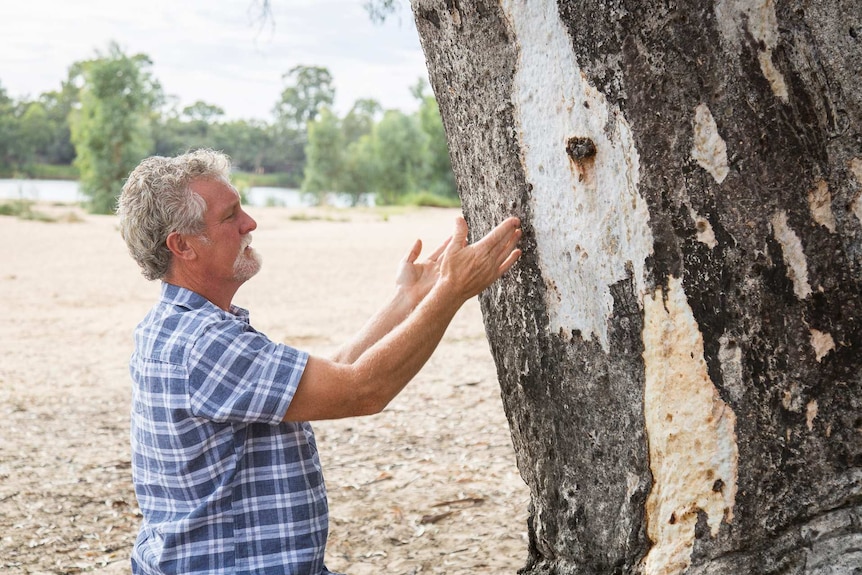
<point x="237" y="375"/>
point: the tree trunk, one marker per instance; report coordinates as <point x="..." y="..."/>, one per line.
<point x="679" y="349"/>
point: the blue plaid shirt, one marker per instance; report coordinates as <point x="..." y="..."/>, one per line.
<point x="223" y="484"/>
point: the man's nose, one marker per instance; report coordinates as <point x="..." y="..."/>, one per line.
<point x="250" y="224"/>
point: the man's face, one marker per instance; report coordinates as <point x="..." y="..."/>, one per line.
<point x="224" y="250"/>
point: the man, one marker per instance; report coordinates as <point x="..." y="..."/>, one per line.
<point x="224" y="460"/>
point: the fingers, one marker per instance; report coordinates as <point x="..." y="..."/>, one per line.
<point x="459" y="237"/>
<point x="440" y="249"/>
<point x="510" y="261"/>
<point x="414" y="252"/>
<point x="500" y="241"/>
<point x="502" y="231"/>
<point x="497" y="245"/>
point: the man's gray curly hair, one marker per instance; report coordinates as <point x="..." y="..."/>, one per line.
<point x="156" y="201"/>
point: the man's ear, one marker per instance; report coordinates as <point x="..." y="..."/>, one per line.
<point x="180" y="246"/>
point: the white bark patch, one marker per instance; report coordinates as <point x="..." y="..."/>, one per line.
<point x="794" y="256"/>
<point x="709" y="149"/>
<point x="591" y="223"/>
<point x="705" y="233"/>
<point x="820" y="204"/>
<point x="759" y="19"/>
<point x="822" y="343"/>
<point x="691" y="434"/>
<point x="856" y="169"/>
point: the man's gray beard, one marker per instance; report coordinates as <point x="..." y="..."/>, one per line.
<point x="246" y="265"/>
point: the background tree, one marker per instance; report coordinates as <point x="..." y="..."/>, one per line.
<point x="324" y="153"/>
<point x="398" y="143"/>
<point x="195" y="126"/>
<point x="58" y="106"/>
<point x="249" y="143"/>
<point x="360" y="120"/>
<point x="111" y="130"/>
<point x="35" y="132"/>
<point x="309" y="89"/>
<point x="9" y="129"/>
<point x="437" y="176"/>
<point x="680" y="347"/>
<point x="201" y="118"/>
<point x="360" y="170"/>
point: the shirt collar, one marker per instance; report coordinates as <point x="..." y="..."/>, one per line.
<point x="183" y="297"/>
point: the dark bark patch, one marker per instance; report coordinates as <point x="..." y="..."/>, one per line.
<point x="580" y="149"/>
<point x="430" y="16"/>
<point x="582" y="153"/>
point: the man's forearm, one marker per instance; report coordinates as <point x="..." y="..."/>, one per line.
<point x="382" y="322"/>
<point x="387" y="366"/>
<point x="331" y="390"/>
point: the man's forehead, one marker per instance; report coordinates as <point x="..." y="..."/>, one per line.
<point x="215" y="190"/>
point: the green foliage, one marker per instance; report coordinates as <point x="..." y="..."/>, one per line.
<point x="41" y="172"/>
<point x="311" y="89"/>
<point x="308" y="90"/>
<point x="35" y="130"/>
<point x="58" y="106"/>
<point x="111" y="130"/>
<point x="253" y="179"/>
<point x="248" y="142"/>
<point x="437" y="176"/>
<point x="324" y="156"/>
<point x="398" y="145"/>
<point x="360" y="120"/>
<point x="24" y="129"/>
<point x="399" y="155"/>
<point x="359" y="170"/>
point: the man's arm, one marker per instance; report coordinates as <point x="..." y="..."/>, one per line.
<point x="330" y="390"/>
<point x="413" y="282"/>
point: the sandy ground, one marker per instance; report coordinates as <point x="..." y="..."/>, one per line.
<point x="428" y="486"/>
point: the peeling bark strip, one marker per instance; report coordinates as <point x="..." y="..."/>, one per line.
<point x="794" y="255"/>
<point x="591" y="224"/>
<point x="820" y="203"/>
<point x="709" y="149"/>
<point x="691" y="431"/>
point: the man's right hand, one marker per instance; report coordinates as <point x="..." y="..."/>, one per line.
<point x="467" y="269"/>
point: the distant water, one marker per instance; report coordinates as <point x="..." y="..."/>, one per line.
<point x="59" y="191"/>
<point x="68" y="192"/>
<point x="284" y="197"/>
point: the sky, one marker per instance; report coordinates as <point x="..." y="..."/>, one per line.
<point x="217" y="51"/>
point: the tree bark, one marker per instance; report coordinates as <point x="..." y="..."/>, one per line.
<point x="679" y="347"/>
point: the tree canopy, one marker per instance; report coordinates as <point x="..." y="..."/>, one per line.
<point x="110" y="130"/>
